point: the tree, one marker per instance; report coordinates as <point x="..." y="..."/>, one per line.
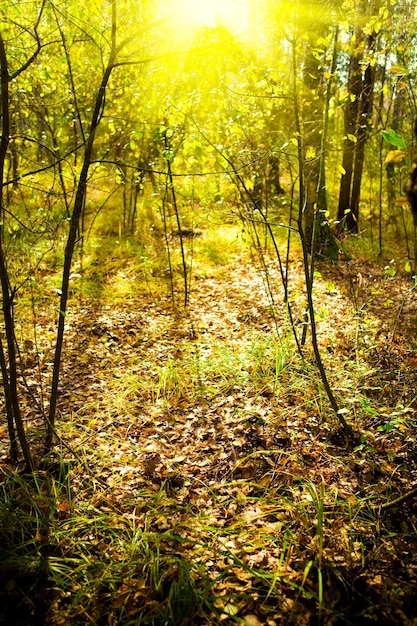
<point x="318" y="84"/>
<point x="8" y="356"/>
<point x="75" y="220"/>
<point x="357" y="112"/>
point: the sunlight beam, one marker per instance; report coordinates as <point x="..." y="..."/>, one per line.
<point x="191" y="15"/>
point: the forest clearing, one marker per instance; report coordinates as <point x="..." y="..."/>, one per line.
<point x="208" y="313"/>
<point x="202" y="478"/>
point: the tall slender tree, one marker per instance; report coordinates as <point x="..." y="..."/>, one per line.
<point x="357" y="113"/>
<point x="8" y="357"/>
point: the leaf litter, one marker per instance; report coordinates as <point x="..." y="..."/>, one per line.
<point x="212" y="453"/>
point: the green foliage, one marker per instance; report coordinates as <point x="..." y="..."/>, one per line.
<point x="394" y="139"/>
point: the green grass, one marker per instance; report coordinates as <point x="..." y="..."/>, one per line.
<point x="206" y="371"/>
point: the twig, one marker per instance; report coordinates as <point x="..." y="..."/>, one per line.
<point x="393" y="503"/>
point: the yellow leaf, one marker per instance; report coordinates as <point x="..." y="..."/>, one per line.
<point x="352" y="138"/>
<point x="397" y="69"/>
<point x="342" y="169"/>
<point x="377" y="27"/>
<point x="395" y="156"/>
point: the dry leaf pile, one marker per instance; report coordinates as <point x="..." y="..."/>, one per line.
<point x="204" y="441"/>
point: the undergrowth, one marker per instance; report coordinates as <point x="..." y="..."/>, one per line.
<point x="200" y="476"/>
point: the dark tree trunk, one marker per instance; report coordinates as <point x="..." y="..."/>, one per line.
<point x="73" y="230"/>
<point x="362" y="135"/>
<point x="319" y="236"/>
<point x="357" y="112"/>
<point x="345" y="217"/>
<point x="274" y="180"/>
<point x="390" y="167"/>
<point x="411" y="188"/>
<point x="8" y="293"/>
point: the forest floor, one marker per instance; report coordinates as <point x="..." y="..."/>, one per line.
<point x="205" y="478"/>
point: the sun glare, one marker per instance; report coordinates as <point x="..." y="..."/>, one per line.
<point x="187" y="16"/>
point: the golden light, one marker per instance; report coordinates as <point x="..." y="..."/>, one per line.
<point x="188" y="16"/>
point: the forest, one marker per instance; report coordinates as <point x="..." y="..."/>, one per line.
<point x="208" y="261"/>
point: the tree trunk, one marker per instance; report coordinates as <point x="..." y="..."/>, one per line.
<point x="319" y="237"/>
<point x="395" y="125"/>
<point x="362" y="135"/>
<point x="10" y="376"/>
<point x="345" y="217"/>
<point x="72" y="235"/>
<point x="357" y="112"/>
